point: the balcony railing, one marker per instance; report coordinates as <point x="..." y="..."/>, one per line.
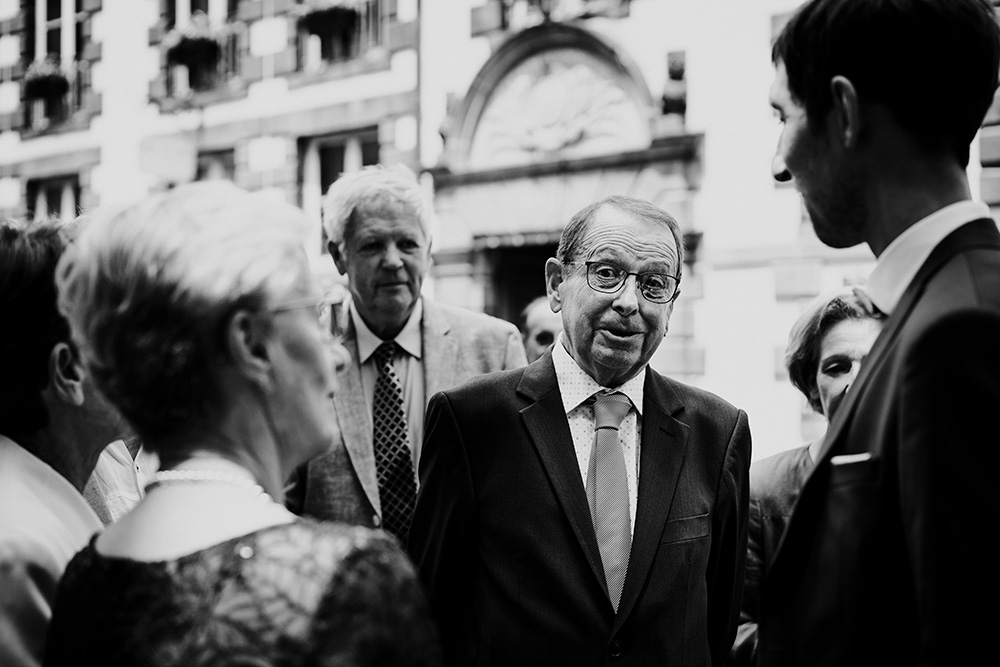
<point x="202" y="60"/>
<point x="51" y="104"/>
<point x="332" y="31"/>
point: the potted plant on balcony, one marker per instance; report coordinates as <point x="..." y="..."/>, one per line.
<point x="195" y="45"/>
<point x="45" y="80"/>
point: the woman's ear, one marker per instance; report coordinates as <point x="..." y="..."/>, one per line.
<point x="66" y="374"/>
<point x="247" y="338"/>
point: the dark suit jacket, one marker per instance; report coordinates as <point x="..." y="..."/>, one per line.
<point x="342" y="483"/>
<point x="885" y="560"/>
<point x="775" y="483"/>
<point x="503" y="539"/>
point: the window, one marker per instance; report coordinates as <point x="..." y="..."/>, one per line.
<point x="333" y="32"/>
<point x="56" y="75"/>
<point x="216" y="165"/>
<point x="324" y="159"/>
<point x="53" y="196"/>
<point x="202" y="45"/>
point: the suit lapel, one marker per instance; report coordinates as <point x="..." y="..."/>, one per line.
<point x="662" y="453"/>
<point x="789" y="553"/>
<point x="355" y="423"/>
<point x="439" y="350"/>
<point x="545" y="419"/>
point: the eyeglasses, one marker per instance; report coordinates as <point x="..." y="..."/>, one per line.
<point x="608" y="278"/>
<point x="323" y="305"/>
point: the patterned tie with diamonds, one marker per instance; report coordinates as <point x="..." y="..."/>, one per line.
<point x="607" y="491"/>
<point x="397" y="485"/>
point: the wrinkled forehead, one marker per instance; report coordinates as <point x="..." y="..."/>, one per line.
<point x="382" y="215"/>
<point x="617" y="235"/>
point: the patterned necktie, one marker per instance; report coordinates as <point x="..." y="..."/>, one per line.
<point x="607" y="491"/>
<point x="397" y="486"/>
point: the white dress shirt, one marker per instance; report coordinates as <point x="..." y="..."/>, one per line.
<point x="119" y="482"/>
<point x="44" y="521"/>
<point x="575" y="387"/>
<point x="407" y="363"/>
<point x="899" y="262"/>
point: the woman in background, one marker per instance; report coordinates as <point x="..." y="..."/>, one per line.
<point x="825" y="349"/>
<point x="197" y="315"/>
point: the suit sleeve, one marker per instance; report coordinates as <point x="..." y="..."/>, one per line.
<point x="727" y="561"/>
<point x="442" y="540"/>
<point x="948" y="461"/>
<point x="744" y="651"/>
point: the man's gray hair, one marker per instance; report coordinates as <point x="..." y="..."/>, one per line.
<point x="374" y="191"/>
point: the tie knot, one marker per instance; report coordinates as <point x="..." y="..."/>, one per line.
<point x="610" y="409"/>
<point x="385" y="352"/>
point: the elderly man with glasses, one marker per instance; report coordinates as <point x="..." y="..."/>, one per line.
<point x="586" y="508"/>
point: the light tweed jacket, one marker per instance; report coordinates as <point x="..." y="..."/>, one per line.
<point x="458" y="344"/>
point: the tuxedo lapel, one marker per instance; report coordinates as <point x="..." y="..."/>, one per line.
<point x="355" y="422"/>
<point x="662" y="453"/>
<point x="440" y="348"/>
<point x="545" y="419"/>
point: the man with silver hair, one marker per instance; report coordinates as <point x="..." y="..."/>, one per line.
<point x="405" y="349"/>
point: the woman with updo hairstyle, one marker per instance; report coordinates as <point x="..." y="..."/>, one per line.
<point x="826" y="347"/>
<point x="197" y="315"/>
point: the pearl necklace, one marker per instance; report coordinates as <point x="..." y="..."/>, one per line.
<point x="165" y="477"/>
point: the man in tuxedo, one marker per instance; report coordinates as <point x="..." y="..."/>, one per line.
<point x="586" y="508"/>
<point x="882" y="561"/>
<point x="404" y="348"/>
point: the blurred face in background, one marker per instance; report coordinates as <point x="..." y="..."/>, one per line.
<point x="542" y="326"/>
<point x="842" y="350"/>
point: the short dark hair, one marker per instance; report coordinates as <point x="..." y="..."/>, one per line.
<point x="573" y="233"/>
<point x="32" y="325"/>
<point x="806" y="336"/>
<point x="932" y="63"/>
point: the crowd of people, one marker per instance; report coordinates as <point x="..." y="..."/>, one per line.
<point x="207" y="460"/>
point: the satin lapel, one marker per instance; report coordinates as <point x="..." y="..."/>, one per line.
<point x="546" y="422"/>
<point x="440" y="348"/>
<point x="789" y="551"/>
<point x="661" y="458"/>
<point x="355" y="422"/>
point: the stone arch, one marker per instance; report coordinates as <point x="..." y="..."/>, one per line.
<point x="551" y="92"/>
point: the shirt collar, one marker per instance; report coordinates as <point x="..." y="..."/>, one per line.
<point x="408" y="338"/>
<point x="576" y="385"/>
<point x="900" y="261"/>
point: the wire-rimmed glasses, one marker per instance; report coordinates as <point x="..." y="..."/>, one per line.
<point x="607" y="278"/>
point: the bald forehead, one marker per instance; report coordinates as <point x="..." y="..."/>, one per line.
<point x="617" y="233"/>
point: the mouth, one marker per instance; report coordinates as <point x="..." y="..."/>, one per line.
<point x="616" y="333"/>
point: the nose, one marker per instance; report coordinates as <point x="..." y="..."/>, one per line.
<point x="855" y="369"/>
<point x="340" y="358"/>
<point x="779" y="170"/>
<point x="391" y="258"/>
<point x="627" y="300"/>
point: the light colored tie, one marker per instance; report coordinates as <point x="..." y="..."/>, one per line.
<point x="607" y="491"/>
<point x="397" y="485"/>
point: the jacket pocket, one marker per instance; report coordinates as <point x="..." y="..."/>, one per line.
<point x="688" y="528"/>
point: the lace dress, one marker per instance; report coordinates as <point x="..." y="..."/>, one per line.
<point x="298" y="594"/>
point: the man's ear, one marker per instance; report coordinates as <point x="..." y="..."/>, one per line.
<point x="338" y="257"/>
<point x="846" y="110"/>
<point x="553" y="282"/>
<point x="247" y="344"/>
<point x="66" y="374"/>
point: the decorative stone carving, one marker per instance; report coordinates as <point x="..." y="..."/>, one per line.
<point x="558" y="104"/>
